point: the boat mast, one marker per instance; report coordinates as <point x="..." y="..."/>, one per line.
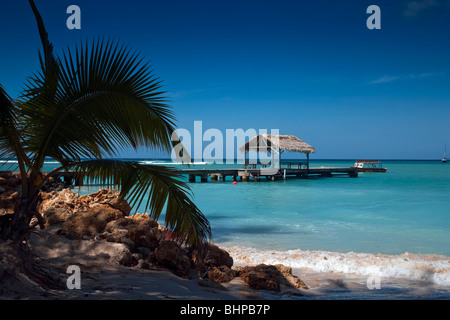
<point x="444" y="159"/>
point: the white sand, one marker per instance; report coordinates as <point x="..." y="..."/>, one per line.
<point x="102" y="277"/>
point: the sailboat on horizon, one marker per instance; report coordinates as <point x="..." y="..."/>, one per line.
<point x="444" y="159"/>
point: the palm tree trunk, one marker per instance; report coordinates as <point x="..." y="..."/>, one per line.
<point x="17" y="228"/>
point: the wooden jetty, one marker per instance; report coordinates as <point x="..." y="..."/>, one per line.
<point x="242" y="174"/>
<point x="276" y="145"/>
<point x="255" y="174"/>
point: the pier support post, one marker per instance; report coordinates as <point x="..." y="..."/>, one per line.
<point x="204" y="178"/>
<point x="191" y="178"/>
<point x="353" y="174"/>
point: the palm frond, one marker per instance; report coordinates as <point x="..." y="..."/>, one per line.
<point x="49" y="63"/>
<point x="10" y="141"/>
<point x="107" y="100"/>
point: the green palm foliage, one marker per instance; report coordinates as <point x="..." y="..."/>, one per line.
<point x="81" y="109"/>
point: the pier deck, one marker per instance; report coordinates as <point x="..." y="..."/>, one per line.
<point x="261" y="174"/>
<point x="254" y="174"/>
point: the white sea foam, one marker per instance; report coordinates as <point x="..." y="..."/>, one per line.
<point x="432" y="268"/>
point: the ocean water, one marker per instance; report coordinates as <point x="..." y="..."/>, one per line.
<point x="394" y="224"/>
<point x="406" y="209"/>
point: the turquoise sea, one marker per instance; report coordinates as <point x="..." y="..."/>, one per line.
<point x="395" y="223"/>
<point x="406" y="209"/>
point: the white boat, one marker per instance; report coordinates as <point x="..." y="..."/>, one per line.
<point x="369" y="166"/>
<point x="444" y="159"/>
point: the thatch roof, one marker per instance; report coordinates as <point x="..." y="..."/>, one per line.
<point x="264" y="143"/>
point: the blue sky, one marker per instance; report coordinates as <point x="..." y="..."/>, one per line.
<point x="308" y="68"/>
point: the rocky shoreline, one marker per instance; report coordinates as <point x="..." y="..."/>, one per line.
<point x="99" y="226"/>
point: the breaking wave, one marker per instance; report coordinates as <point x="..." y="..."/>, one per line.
<point x="431" y="268"/>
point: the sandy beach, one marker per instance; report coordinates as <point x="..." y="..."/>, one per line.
<point x="102" y="278"/>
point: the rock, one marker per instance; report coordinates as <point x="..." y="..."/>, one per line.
<point x="115" y="235"/>
<point x="170" y="255"/>
<point x="138" y="256"/>
<point x="8" y="201"/>
<point x="261" y="277"/>
<point x="151" y="259"/>
<point x="10" y="185"/>
<point x="87" y="223"/>
<point x="56" y="207"/>
<point x="129" y="243"/>
<point x="268" y="277"/>
<point x="237" y="270"/>
<point x="109" y="197"/>
<point x="10" y="179"/>
<point x="141" y="264"/>
<point x="59" y="206"/>
<point x="143" y="232"/>
<point x="124" y="256"/>
<point x="54" y="215"/>
<point x="48" y="196"/>
<point x="221" y="274"/>
<point x="210" y="257"/>
<point x="144" y="251"/>
<point x="119" y="224"/>
<point x="293" y="281"/>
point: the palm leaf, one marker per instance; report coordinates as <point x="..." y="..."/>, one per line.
<point x="106" y="101"/>
<point x="10" y="141"/>
<point x="7" y="125"/>
<point x="49" y="63"/>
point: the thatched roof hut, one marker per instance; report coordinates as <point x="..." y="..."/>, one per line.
<point x="277" y="144"/>
<point x="266" y="142"/>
